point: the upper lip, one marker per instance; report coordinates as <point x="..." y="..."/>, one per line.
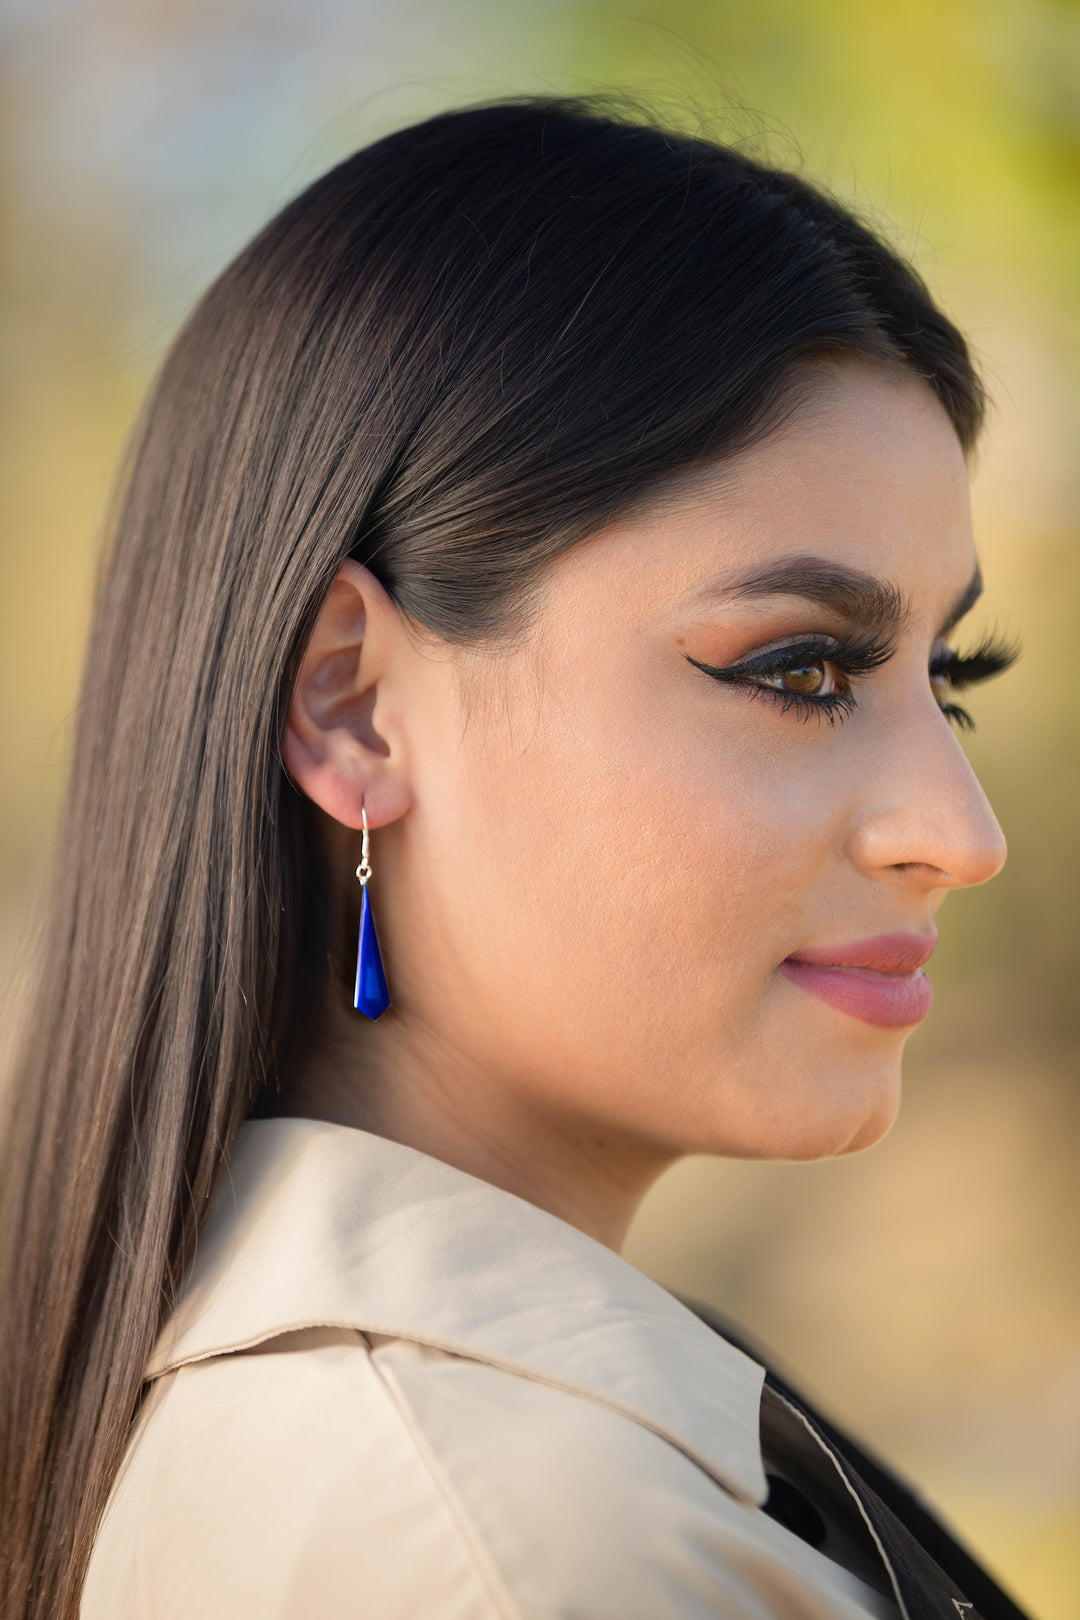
<point x="885" y="953"/>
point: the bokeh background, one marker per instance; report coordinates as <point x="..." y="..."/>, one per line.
<point x="926" y="1292"/>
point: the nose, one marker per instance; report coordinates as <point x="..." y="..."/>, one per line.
<point x="923" y="813"/>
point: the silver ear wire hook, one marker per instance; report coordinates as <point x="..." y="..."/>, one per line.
<point x="363" y="871"/>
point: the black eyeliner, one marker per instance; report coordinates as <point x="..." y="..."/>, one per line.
<point x="853" y="655"/>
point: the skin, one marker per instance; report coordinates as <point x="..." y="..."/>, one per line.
<point x="591" y="858"/>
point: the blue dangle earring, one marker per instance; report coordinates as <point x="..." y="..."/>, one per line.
<point x="371" y="997"/>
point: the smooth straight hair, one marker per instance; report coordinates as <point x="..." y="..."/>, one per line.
<point x="462" y="351"/>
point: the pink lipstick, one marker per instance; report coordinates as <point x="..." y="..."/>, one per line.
<point x="879" y="980"/>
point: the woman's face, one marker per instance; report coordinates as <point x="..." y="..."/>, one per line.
<point x="615" y="871"/>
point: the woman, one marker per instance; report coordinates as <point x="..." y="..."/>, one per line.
<point x="559" y="523"/>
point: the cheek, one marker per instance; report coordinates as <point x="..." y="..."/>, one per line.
<point x="599" y="898"/>
<point x="637" y="867"/>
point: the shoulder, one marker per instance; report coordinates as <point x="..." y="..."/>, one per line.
<point x="329" y="1473"/>
<point x="281" y="1482"/>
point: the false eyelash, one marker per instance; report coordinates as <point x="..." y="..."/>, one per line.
<point x="830" y="706"/>
<point x="991" y="657"/>
<point x="856" y="653"/>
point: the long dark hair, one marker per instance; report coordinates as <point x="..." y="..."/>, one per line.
<point x="455" y="355"/>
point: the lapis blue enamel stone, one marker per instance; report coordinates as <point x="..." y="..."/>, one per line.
<point x="371" y="997"/>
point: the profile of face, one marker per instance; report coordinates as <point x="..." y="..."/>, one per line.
<point x="661" y="876"/>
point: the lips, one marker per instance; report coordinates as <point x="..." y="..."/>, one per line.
<point x="879" y="980"/>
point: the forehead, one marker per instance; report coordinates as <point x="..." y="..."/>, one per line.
<point x="867" y="471"/>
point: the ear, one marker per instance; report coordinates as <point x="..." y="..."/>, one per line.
<point x="343" y="744"/>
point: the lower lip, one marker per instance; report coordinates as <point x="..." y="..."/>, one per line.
<point x="890" y="1000"/>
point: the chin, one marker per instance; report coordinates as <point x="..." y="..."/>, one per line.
<point x="876" y="1101"/>
<point x="838" y="1110"/>
<point x="872" y="1130"/>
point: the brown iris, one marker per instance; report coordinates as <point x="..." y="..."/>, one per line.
<point x="810" y="678"/>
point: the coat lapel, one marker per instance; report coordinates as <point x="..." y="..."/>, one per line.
<point x="934" y="1576"/>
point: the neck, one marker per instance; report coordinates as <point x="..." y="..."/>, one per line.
<point x="408" y="1085"/>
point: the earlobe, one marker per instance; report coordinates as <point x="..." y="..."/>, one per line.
<point x="336" y="748"/>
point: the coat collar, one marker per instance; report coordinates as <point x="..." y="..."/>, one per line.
<point x="321" y="1225"/>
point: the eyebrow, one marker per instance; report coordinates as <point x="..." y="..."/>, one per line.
<point x="869" y="603"/>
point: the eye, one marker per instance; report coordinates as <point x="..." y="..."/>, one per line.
<point x="941" y="686"/>
<point x="814" y="678"/>
<point x="808" y="679"/>
<point x="950" y="670"/>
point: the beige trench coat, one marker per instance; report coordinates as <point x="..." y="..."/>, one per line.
<point x="392" y="1391"/>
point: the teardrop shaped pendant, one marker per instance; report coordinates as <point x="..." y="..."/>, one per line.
<point x="371" y="996"/>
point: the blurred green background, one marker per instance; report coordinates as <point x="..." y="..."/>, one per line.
<point x="926" y="1291"/>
